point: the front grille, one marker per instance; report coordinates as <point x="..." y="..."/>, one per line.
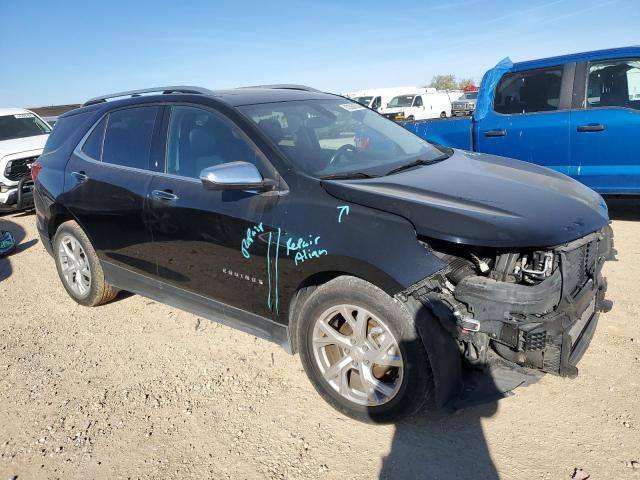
<point x="580" y="266"/>
<point x="18" y="169"/>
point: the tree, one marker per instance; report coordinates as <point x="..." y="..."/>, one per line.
<point x="443" y="82"/>
<point x="465" y="82"/>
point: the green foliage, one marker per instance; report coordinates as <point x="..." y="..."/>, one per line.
<point x="449" y="82"/>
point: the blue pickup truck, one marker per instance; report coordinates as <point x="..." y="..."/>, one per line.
<point x="578" y="114"/>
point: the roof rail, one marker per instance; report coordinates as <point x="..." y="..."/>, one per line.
<point x="137" y="93"/>
<point x="286" y="86"/>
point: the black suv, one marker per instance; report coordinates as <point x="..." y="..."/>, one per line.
<point x="307" y="219"/>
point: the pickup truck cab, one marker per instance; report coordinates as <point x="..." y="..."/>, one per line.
<point x="578" y="114"/>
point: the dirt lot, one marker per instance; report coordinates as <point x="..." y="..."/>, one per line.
<point x="136" y="389"/>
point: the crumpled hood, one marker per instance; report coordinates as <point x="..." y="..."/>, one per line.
<point x="483" y="200"/>
<point x="21" y="145"/>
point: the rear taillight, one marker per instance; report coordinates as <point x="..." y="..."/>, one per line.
<point x="35" y="169"/>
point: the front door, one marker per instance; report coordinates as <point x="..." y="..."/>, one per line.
<point x="106" y="183"/>
<point x="604" y="132"/>
<point x="530" y="118"/>
<point x="217" y="244"/>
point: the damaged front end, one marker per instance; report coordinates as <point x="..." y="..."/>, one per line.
<point x="535" y="307"/>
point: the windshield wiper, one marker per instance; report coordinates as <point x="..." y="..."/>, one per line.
<point x="348" y="176"/>
<point x="417" y="163"/>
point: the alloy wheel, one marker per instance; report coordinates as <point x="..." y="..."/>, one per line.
<point x="74" y="266"/>
<point x="357" y="355"/>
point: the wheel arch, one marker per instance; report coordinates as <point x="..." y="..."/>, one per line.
<point x="318" y="276"/>
<point x="58" y="215"/>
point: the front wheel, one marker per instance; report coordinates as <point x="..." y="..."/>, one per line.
<point x="361" y="351"/>
<point x="443" y="114"/>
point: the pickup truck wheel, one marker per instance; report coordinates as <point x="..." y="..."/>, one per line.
<point x="79" y="267"/>
<point x="361" y="351"/>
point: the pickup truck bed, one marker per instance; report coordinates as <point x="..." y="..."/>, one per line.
<point x="451" y="132"/>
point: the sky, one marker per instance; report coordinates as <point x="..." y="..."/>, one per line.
<point x="58" y="52"/>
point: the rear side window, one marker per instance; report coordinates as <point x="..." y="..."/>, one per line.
<point x="614" y="84"/>
<point x="529" y="91"/>
<point x="128" y="136"/>
<point x="93" y="145"/>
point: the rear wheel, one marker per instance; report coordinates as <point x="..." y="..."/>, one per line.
<point x="79" y="268"/>
<point x="361" y="351"/>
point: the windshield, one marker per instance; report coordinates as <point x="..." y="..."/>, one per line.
<point x="470" y="96"/>
<point x="333" y="137"/>
<point x="401" y="101"/>
<point x="21" y="125"/>
<point x="364" y="100"/>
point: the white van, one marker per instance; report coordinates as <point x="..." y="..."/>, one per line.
<point x="411" y="107"/>
<point x="378" y="98"/>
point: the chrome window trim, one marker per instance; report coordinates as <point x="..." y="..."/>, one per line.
<point x="282" y="190"/>
<point x="78" y="150"/>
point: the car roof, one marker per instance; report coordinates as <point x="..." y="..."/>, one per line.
<point x="621" y="52"/>
<point x="250" y="96"/>
<point x="12" y="111"/>
<point x="231" y="97"/>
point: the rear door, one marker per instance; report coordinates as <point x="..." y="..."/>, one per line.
<point x="605" y="126"/>
<point x="216" y="244"/>
<point x="106" y="182"/>
<point x="530" y="117"/>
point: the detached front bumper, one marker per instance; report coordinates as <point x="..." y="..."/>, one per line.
<point x="17" y="198"/>
<point x="547" y="326"/>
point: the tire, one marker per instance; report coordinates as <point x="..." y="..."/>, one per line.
<point x="443" y="114"/>
<point x="346" y="373"/>
<point x="410" y="118"/>
<point x="79" y="268"/>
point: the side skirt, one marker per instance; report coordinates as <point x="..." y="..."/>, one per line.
<point x="213" y="310"/>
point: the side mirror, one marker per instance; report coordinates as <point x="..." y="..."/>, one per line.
<point x="235" y="176"/>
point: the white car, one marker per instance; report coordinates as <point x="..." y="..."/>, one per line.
<point x="22" y="138"/>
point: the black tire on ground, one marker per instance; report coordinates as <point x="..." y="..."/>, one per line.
<point x="410" y="118"/>
<point x="100" y="291"/>
<point x="416" y="385"/>
<point x="443" y="114"/>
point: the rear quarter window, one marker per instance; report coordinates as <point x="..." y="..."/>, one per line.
<point x="93" y="145"/>
<point x="65" y="128"/>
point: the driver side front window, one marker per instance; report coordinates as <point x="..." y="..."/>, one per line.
<point x="200" y="138"/>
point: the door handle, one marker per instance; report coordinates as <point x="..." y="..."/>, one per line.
<point x="592" y="127"/>
<point x="80" y="176"/>
<point x="495" y="133"/>
<point x="166" y="195"/>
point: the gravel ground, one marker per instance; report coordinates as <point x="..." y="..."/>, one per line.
<point x="136" y="389"/>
